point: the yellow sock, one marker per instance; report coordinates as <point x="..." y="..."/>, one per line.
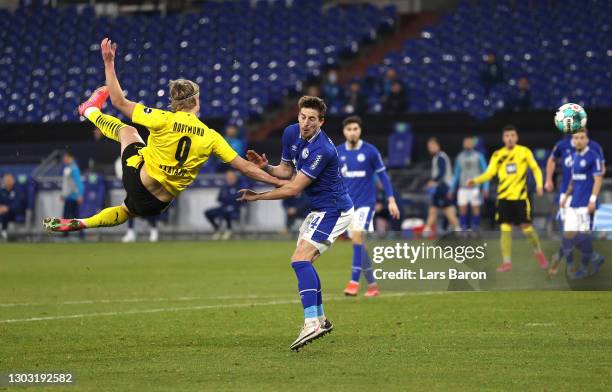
<point x="506" y="242"/>
<point x="533" y="238"/>
<point x="109" y="125"/>
<point x="111" y="216"/>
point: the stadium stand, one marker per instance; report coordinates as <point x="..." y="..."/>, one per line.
<point x="50" y="56"/>
<point x="558" y="51"/>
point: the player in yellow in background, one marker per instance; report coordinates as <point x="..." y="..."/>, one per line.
<point x="178" y="145"/>
<point x="510" y="164"/>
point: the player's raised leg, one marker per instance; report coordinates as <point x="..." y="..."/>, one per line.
<point x="114" y="129"/>
<point x="110" y="126"/>
<point x="108" y="217"/>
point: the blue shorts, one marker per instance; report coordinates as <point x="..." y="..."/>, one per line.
<point x="439" y="197"/>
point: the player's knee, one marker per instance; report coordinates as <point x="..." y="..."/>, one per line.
<point x="127" y="211"/>
<point x="305" y="251"/>
<point x="357" y="237"/>
<point x="129" y="135"/>
<point x="527" y="228"/>
<point x="506" y="227"/>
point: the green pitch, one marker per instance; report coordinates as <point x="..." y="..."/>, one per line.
<point x="221" y="315"/>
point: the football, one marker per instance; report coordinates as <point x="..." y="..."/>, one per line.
<point x="570" y="118"/>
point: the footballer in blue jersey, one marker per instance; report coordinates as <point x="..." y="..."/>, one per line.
<point x="562" y="153"/>
<point x="310" y="160"/>
<point x="580" y="202"/>
<point x="360" y="164"/>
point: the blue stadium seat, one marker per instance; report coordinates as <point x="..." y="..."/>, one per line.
<point x="154" y="49"/>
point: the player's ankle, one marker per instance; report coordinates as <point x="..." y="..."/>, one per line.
<point x="89" y="111"/>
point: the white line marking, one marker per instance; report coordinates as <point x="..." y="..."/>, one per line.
<point x="144" y="311"/>
<point x="128" y="300"/>
<point x="539" y="324"/>
<point x="203" y="307"/>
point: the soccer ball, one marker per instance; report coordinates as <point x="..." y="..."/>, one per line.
<point x="570" y="118"/>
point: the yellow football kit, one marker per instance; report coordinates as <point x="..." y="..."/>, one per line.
<point x="510" y="167"/>
<point x="513" y="207"/>
<point x="178" y="145"/>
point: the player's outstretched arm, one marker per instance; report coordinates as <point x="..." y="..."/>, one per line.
<point x="118" y="100"/>
<point x="283" y="170"/>
<point x="250" y="170"/>
<point x="488" y="174"/>
<point x="290" y="189"/>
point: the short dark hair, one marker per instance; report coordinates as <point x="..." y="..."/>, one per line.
<point x="510" y="127"/>
<point x="351" y="120"/>
<point x="315" y="103"/>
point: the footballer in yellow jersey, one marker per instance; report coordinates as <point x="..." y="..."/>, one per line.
<point x="510" y="164"/>
<point x="178" y="145"/>
<point x="510" y="167"/>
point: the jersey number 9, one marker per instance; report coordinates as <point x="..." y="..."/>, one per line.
<point x="182" y="150"/>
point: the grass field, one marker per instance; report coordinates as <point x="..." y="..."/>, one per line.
<point x="221" y="315"/>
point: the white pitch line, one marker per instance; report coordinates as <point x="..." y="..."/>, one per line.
<point x="539" y="324"/>
<point x="144" y="311"/>
<point x="202" y="307"/>
<point x="128" y="300"/>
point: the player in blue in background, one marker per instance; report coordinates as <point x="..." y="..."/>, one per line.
<point x="469" y="164"/>
<point x="307" y="149"/>
<point x="562" y="152"/>
<point x="438" y="188"/>
<point x="360" y="162"/>
<point x="12" y="203"/>
<point x="583" y="189"/>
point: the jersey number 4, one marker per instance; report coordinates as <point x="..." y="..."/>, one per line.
<point x="315" y="222"/>
<point x="182" y="150"/>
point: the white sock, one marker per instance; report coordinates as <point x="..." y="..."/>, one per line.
<point x="90" y="110"/>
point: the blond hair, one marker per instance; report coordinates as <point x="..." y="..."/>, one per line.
<point x="184" y="94"/>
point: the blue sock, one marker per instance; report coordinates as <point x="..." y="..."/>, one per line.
<point x="584" y="241"/>
<point x="567" y="245"/>
<point x="475" y="222"/>
<point x="131" y="223"/>
<point x="356" y="270"/>
<point x="320" y="311"/>
<point x="307" y="286"/>
<point x="366" y="266"/>
<point x="463" y="221"/>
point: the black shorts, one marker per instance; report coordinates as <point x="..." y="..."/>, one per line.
<point x="139" y="201"/>
<point x="515" y="212"/>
